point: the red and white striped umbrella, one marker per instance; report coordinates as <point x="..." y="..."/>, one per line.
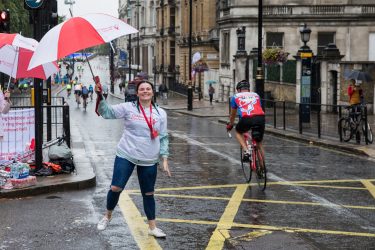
<point x="14" y="62"/>
<point x="15" y="54"/>
<point x="78" y="33"/>
<point x="18" y="40"/>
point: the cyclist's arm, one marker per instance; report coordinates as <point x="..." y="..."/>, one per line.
<point x="232" y="116"/>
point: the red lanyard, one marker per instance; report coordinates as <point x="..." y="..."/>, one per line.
<point x="149" y="122"/>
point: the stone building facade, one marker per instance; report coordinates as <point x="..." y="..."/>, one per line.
<point x="348" y="24"/>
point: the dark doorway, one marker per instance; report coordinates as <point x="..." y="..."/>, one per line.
<point x="315" y="86"/>
<point x="334" y="90"/>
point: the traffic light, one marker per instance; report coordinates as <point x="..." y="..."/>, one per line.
<point x="4" y="21"/>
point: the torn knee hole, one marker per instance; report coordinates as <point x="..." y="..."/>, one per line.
<point x="116" y="189"/>
<point x="149" y="193"/>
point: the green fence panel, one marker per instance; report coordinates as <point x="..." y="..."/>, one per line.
<point x="289" y="71"/>
<point x="273" y="72"/>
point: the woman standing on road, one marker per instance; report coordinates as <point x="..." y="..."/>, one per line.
<point x="144" y="139"/>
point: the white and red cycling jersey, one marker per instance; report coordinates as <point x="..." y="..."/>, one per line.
<point x="247" y="104"/>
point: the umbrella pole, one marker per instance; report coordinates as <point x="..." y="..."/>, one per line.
<point x="87" y="60"/>
<point x="14" y="61"/>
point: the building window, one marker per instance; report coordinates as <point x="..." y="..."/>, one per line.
<point x="274" y="39"/>
<point x="225" y="48"/>
<point x="172" y="56"/>
<point x="324" y="38"/>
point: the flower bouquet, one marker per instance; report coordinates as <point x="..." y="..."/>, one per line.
<point x="274" y="56"/>
<point x="200" y="66"/>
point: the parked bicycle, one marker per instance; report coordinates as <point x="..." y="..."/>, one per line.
<point x="257" y="163"/>
<point x="354" y="124"/>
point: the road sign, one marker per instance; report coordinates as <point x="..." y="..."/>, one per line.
<point x="34" y="4"/>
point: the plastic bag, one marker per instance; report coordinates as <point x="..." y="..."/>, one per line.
<point x="59" y="151"/>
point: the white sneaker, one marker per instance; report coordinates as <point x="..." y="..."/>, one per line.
<point x="103" y="223"/>
<point x="156" y="232"/>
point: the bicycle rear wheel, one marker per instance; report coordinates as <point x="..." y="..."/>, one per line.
<point x="369" y="136"/>
<point x="345" y="129"/>
<point x="246" y="168"/>
<point x="261" y="171"/>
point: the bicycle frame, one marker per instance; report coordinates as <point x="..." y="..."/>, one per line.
<point x="254" y="149"/>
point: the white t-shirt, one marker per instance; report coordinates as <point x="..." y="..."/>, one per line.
<point x="136" y="144"/>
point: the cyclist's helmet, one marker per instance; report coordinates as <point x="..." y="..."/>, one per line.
<point x="243" y="85"/>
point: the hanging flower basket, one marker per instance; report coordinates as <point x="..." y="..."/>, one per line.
<point x="274" y="56"/>
<point x="200" y="66"/>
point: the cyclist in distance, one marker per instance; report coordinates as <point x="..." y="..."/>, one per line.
<point x="85" y="95"/>
<point x="247" y="105"/>
<point x="68" y="89"/>
<point x="91" y="91"/>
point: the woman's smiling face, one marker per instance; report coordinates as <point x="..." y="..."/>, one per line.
<point x="145" y="92"/>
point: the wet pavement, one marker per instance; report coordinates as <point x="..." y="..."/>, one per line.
<point x="317" y="197"/>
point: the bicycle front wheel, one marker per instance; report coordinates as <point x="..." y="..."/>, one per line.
<point x="261" y="171"/>
<point x="369" y="137"/>
<point x="345" y="129"/>
<point x="246" y="168"/>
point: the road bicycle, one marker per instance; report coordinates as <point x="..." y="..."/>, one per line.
<point x="256" y="164"/>
<point x="353" y="124"/>
<point x="84" y="103"/>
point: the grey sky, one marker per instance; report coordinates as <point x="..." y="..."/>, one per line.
<point x="82" y="7"/>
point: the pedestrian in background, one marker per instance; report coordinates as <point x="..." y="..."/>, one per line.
<point x="211" y="92"/>
<point x="120" y="85"/>
<point x="143" y="141"/>
<point x="4" y="109"/>
<point x="355" y="92"/>
<point x="163" y="90"/>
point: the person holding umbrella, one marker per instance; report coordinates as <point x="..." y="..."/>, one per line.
<point x="144" y="140"/>
<point x="355" y="92"/>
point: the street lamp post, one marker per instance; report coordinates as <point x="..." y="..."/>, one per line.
<point x="259" y="83"/>
<point x="305" y="54"/>
<point x="190" y="89"/>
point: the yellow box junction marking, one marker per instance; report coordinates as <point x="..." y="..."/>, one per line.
<point x="304" y="203"/>
<point x="226" y="221"/>
<point x="272" y="228"/>
<point x="369" y="186"/>
<point x="137" y="226"/>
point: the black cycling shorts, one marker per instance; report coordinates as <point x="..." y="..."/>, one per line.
<point x="255" y="123"/>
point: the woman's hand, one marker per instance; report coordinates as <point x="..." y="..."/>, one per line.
<point x="6" y="95"/>
<point x="166" y="167"/>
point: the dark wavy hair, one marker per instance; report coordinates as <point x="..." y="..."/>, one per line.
<point x="152" y="102"/>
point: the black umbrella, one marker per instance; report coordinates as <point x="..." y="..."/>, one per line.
<point x="359" y="75"/>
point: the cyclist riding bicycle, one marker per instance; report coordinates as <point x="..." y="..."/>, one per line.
<point x="78" y="92"/>
<point x="69" y="89"/>
<point x="91" y="91"/>
<point x="85" y="94"/>
<point x="247" y="105"/>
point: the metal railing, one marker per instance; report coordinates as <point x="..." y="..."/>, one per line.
<point x="22" y="101"/>
<point x="59" y="121"/>
<point x="324" y="119"/>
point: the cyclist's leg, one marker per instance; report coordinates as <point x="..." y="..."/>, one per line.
<point x="242" y="127"/>
<point x="257" y="131"/>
